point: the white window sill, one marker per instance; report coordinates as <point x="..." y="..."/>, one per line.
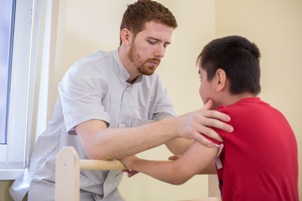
<point x="10" y="172"/>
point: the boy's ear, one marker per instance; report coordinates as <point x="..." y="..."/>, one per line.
<point x="221" y="79"/>
<point x="126" y="36"/>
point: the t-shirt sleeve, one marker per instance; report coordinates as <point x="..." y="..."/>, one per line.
<point x="81" y="92"/>
<point x="222" y="133"/>
<point x="217" y="144"/>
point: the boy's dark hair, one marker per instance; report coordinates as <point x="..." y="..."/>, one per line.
<point x="238" y="57"/>
<point x="142" y="11"/>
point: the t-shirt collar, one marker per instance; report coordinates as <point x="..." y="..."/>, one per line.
<point x="121" y="70"/>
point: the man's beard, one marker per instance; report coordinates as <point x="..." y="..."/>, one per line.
<point x="142" y="68"/>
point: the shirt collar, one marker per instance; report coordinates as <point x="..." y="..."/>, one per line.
<point x="121" y="70"/>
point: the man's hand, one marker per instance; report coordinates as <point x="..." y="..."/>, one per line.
<point x="192" y="125"/>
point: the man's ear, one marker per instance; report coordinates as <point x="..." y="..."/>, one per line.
<point x="126" y="36"/>
<point x="221" y="79"/>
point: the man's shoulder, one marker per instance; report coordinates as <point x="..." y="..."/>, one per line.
<point x="97" y="55"/>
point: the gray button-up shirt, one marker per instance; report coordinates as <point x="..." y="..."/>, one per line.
<point x="93" y="88"/>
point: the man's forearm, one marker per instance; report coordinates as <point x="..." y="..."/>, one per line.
<point x="115" y="143"/>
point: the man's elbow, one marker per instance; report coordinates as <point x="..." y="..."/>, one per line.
<point x="94" y="153"/>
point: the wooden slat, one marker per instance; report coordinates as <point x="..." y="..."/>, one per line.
<point x="67" y="175"/>
<point x="101" y="165"/>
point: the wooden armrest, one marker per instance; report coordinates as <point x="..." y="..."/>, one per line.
<point x="101" y="165"/>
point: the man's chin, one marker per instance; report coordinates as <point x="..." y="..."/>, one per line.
<point x="148" y="73"/>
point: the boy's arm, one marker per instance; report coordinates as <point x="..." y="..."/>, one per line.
<point x="210" y="119"/>
<point x="194" y="161"/>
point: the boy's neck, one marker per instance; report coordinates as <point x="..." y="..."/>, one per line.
<point x="231" y="99"/>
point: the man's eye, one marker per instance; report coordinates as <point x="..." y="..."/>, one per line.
<point x="152" y="42"/>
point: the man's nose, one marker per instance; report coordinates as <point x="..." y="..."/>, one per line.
<point x="160" y="51"/>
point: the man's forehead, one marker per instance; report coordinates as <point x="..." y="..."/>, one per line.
<point x="157" y="30"/>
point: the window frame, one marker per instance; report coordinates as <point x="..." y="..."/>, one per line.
<point x="7" y="56"/>
<point x="14" y="154"/>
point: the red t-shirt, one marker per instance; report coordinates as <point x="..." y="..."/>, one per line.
<point x="260" y="158"/>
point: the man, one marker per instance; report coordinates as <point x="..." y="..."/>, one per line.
<point x="259" y="160"/>
<point x="106" y="104"/>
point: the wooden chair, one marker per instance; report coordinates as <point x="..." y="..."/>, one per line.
<point x="68" y="166"/>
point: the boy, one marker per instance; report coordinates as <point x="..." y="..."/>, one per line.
<point x="258" y="161"/>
